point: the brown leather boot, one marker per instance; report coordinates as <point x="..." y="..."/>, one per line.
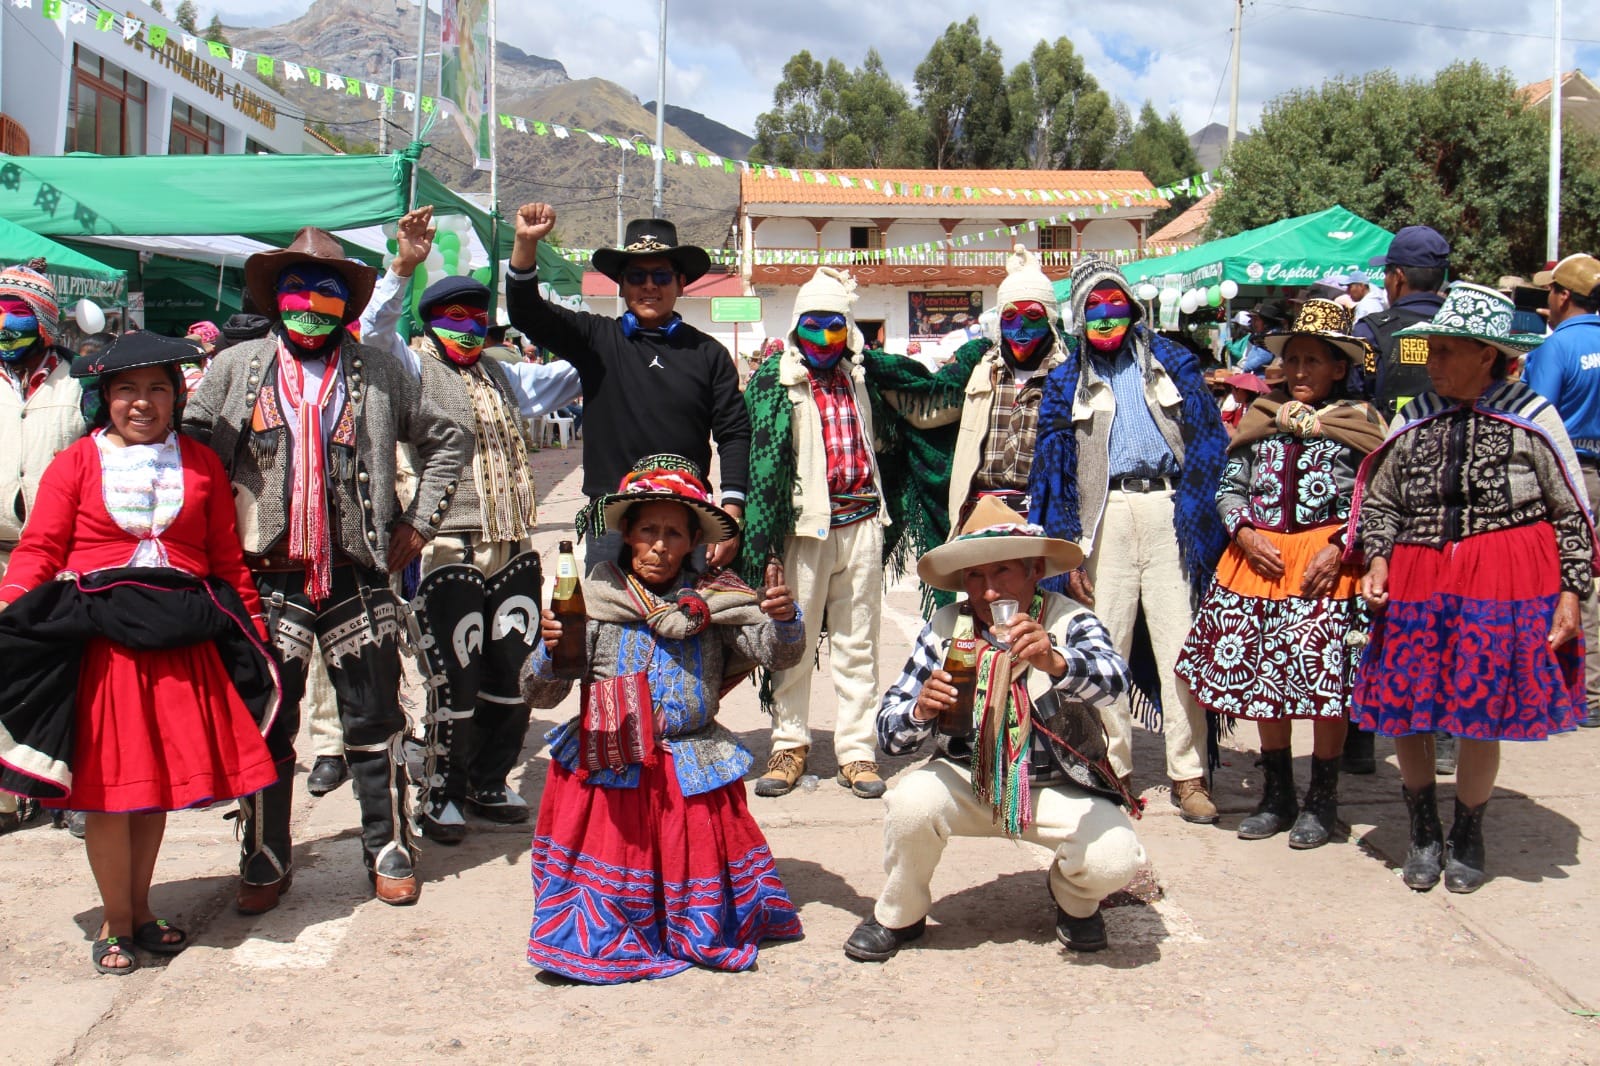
<point x="861" y="777"/>
<point x="784" y="769"/>
<point x="1193" y="800"/>
<point x="259" y="899"/>
<point x="396" y="891"/>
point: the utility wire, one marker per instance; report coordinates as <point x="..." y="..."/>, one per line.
<point x="1429" y="25"/>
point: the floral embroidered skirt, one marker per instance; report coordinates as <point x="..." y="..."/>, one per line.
<point x="632" y="883"/>
<point x="1260" y="650"/>
<point x="1461" y="646"/>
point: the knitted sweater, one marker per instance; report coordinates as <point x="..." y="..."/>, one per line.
<point x="31" y="434"/>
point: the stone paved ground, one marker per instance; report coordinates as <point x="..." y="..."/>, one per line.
<point x="1253" y="953"/>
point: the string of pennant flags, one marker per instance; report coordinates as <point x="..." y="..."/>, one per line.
<point x="157" y="37"/>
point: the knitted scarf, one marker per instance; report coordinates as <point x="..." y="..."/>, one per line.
<point x="1352" y="423"/>
<point x="1000" y="753"/>
<point x="913" y="464"/>
<point x="309" y="537"/>
<point x="1053" y="482"/>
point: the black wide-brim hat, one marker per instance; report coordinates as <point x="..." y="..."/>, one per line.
<point x="310" y="245"/>
<point x="134" y="351"/>
<point x="652" y="238"/>
<point x="455" y="287"/>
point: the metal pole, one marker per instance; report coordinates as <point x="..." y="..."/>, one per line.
<point x="661" y="104"/>
<point x="494" y="164"/>
<point x="416" y="110"/>
<point x="1233" y="95"/>
<point x="1552" y="236"/>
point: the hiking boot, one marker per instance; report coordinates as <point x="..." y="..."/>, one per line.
<point x="783" y="771"/>
<point x="1278" y="805"/>
<point x="1463" y="864"/>
<point x="1193" y="800"/>
<point x="872" y="942"/>
<point x="862" y="778"/>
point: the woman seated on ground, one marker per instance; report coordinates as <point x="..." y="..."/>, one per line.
<point x="132" y="626"/>
<point x="1270" y="642"/>
<point x="1479" y="546"/>
<point x="645" y="858"/>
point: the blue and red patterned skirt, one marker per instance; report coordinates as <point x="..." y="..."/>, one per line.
<point x="1461" y="646"/>
<point x="633" y="883"/>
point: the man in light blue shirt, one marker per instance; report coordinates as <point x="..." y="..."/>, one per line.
<point x="1565" y="370"/>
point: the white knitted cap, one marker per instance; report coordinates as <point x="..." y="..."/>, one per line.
<point x="829" y="289"/>
<point x="1025" y="280"/>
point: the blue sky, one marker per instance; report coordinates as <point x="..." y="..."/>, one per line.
<point x="724" y="56"/>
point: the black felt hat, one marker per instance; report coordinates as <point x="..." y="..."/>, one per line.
<point x="454" y="287"/>
<point x="133" y="351"/>
<point x="652" y="238"/>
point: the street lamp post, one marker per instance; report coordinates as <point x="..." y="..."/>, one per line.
<point x="661" y="102"/>
<point x="383" y="103"/>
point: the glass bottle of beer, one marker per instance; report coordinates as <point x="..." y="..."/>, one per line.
<point x="961" y="663"/>
<point x="570" y="657"/>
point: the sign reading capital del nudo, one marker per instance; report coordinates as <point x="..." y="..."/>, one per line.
<point x="736" y="309"/>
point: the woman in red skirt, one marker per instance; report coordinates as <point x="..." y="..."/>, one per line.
<point x="645" y="858"/>
<point x="134" y="677"/>
<point x="1478" y="547"/>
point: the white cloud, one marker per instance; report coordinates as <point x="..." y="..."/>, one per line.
<point x="725" y="56"/>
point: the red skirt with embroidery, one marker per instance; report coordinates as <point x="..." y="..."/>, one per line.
<point x="161" y="730"/>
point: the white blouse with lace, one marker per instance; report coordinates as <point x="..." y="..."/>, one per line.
<point x="142" y="485"/>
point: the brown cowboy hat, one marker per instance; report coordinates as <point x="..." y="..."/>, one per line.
<point x="310" y="245"/>
<point x="653" y="238"/>
<point x="994" y="533"/>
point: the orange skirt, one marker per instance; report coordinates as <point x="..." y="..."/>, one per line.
<point x="1235" y="573"/>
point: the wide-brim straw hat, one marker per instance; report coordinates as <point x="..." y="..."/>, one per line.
<point x="994" y="533"/>
<point x="674" y="479"/>
<point x="1477" y="313"/>
<point x="1325" y="320"/>
<point x="310" y="245"/>
<point x="652" y="238"/>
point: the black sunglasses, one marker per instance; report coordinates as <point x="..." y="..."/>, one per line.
<point x="661" y="276"/>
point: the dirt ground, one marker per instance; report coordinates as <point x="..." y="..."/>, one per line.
<point x="1251" y="953"/>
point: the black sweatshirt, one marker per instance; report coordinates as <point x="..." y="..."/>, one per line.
<point x="642" y="395"/>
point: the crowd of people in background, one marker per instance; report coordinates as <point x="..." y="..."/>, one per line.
<point x="1368" y="507"/>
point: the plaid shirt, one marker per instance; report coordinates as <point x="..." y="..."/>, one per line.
<point x="29" y="385"/>
<point x="1013" y="427"/>
<point x="849" y="457"/>
<point x="1095" y="675"/>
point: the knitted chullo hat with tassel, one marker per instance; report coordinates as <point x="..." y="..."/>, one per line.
<point x="34" y="289"/>
<point x="1026" y="280"/>
<point x="1092" y="271"/>
<point x="829" y="289"/>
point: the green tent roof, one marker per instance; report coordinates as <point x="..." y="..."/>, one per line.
<point x="1292" y="251"/>
<point x="76" y="276"/>
<point x="266" y="197"/>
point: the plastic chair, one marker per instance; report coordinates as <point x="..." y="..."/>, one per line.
<point x="558" y="428"/>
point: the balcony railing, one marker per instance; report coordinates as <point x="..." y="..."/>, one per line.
<point x="930" y="254"/>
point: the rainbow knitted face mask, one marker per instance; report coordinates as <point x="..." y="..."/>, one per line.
<point x="822" y="336"/>
<point x="460" y="330"/>
<point x="1025" y="328"/>
<point x="311" y="302"/>
<point x="19" y="328"/>
<point x="1107" y="314"/>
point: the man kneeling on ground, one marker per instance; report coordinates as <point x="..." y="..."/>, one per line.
<point x="1031" y="763"/>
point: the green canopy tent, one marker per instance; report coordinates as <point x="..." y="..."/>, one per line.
<point x="264" y="197"/>
<point x="1290" y="252"/>
<point x="75" y="275"/>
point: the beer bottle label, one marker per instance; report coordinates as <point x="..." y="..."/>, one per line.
<point x="566" y="577"/>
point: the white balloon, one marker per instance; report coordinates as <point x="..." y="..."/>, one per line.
<point x="1188" y="304"/>
<point x="89" y="317"/>
<point x="435" y="261"/>
<point x="391" y="230"/>
<point x="1147" y="292"/>
<point x="1230" y="289"/>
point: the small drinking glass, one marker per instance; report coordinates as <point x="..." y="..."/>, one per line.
<point x="1001" y="612"/>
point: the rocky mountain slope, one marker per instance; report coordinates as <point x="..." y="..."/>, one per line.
<point x="362" y="37"/>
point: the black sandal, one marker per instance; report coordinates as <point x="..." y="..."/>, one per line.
<point x="152" y="936"/>
<point x="104" y="949"/>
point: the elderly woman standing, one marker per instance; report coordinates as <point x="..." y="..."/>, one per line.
<point x="646" y="861"/>
<point x="1269" y="642"/>
<point x="1478" y="546"/>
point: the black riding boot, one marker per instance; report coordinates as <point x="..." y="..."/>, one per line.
<point x="1278" y="805"/>
<point x="1463" y="864"/>
<point x="380" y="786"/>
<point x="1319" y="815"/>
<point x="444" y="818"/>
<point x="1424" y="859"/>
<point x="264" y="823"/>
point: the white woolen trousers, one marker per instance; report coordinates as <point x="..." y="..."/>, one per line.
<point x="840" y="578"/>
<point x="1096" y="850"/>
<point x="1135" y="562"/>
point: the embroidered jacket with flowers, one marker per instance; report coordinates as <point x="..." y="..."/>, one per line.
<point x="1288" y="485"/>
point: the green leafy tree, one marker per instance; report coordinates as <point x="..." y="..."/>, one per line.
<point x="1459" y="152"/>
<point x="962" y="97"/>
<point x="214" y="31"/>
<point x="1060" y="117"/>
<point x="825" y="115"/>
<point x="882" y="129"/>
<point x="155" y="5"/>
<point x="805" y="102"/>
<point x="187" y="17"/>
<point x="1159" y="148"/>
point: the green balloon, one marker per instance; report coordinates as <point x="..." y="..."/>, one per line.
<point x="448" y="242"/>
<point x="1214" y="296"/>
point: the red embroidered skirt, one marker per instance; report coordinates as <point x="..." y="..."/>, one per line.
<point x="161" y="731"/>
